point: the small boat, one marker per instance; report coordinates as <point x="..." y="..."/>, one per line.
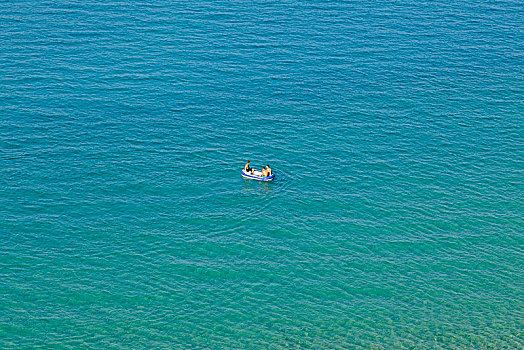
<point x="257" y="175"/>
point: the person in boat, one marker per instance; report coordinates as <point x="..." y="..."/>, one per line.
<point x="264" y="172"/>
<point x="269" y="171"/>
<point x="247" y="168"/>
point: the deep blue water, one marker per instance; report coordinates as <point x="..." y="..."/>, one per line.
<point x="395" y="129"/>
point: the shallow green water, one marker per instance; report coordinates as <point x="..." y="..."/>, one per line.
<point x="394" y="129"/>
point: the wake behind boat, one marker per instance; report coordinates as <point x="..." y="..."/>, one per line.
<point x="257" y="175"/>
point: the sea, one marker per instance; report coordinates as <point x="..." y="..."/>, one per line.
<point x="395" y="129"/>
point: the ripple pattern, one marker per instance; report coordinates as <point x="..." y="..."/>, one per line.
<point x="395" y="130"/>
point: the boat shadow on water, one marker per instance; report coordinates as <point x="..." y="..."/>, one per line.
<point x="279" y="184"/>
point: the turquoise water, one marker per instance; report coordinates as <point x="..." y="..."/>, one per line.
<point x="395" y="129"/>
